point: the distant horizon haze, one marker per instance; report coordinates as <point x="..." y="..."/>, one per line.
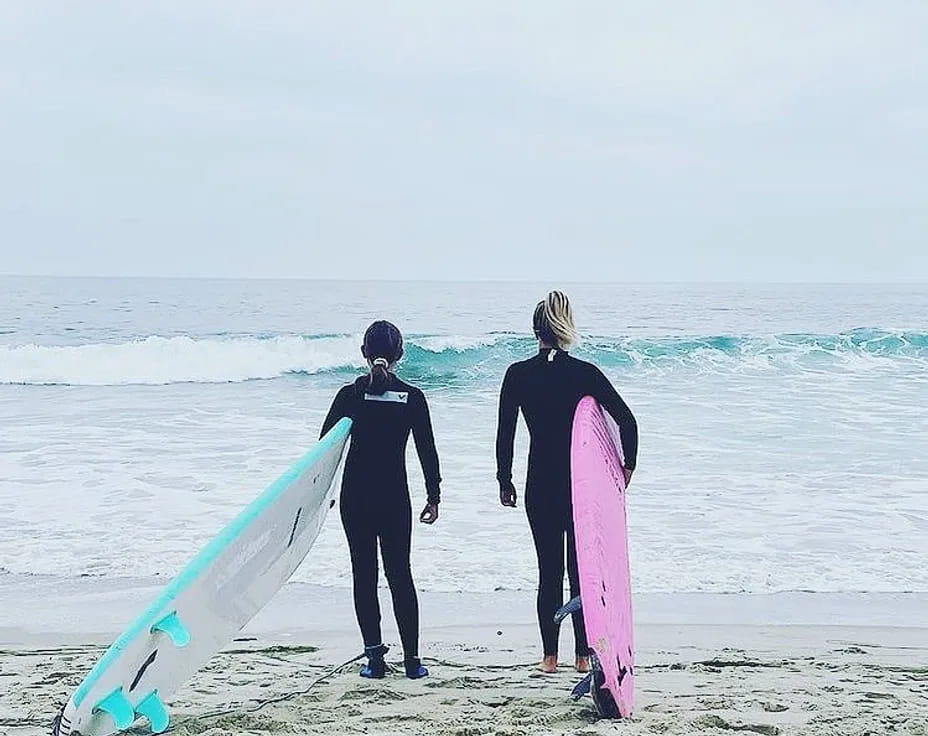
<point x="673" y="142"/>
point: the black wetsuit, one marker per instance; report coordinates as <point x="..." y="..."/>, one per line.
<point x="547" y="388"/>
<point x="375" y="502"/>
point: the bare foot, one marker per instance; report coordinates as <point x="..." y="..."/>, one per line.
<point x="548" y="665"/>
<point x="583" y="664"/>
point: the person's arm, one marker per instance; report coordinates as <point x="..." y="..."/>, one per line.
<point x="425" y="447"/>
<point x="609" y="399"/>
<point x="341" y="407"/>
<point x="506" y="437"/>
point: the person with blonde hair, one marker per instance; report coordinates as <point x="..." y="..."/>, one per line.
<point x="547" y="388"/>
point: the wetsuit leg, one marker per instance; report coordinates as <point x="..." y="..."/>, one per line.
<point x="581" y="646"/>
<point x="362" y="544"/>
<point x="548" y="532"/>
<point x="395" y="542"/>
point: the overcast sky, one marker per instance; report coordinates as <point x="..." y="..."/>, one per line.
<point x="646" y="141"/>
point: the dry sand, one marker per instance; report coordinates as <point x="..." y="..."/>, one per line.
<point x="822" y="680"/>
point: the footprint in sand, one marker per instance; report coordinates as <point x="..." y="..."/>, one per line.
<point x="373" y="694"/>
<point x="717" y="722"/>
<point x="466" y="682"/>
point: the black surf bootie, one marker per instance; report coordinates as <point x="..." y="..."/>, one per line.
<point x="376" y="667"/>
<point x="414" y="668"/>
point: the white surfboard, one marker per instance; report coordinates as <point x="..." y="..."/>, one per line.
<point x="218" y="592"/>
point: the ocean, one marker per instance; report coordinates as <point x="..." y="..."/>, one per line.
<point x="784" y="430"/>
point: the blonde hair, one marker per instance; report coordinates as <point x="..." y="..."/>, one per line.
<point x="554" y="321"/>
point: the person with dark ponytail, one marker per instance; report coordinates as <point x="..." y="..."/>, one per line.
<point x="547" y="388"/>
<point x="375" y="504"/>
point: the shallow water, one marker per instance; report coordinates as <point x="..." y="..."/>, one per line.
<point x="784" y="430"/>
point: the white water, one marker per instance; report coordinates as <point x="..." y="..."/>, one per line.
<point x="769" y="462"/>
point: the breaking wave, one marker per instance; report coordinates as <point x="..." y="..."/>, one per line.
<point x="452" y="359"/>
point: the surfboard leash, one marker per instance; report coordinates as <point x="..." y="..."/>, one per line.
<point x="255" y="707"/>
<point x="258" y="705"/>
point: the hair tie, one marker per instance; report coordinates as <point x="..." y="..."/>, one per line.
<point x="381" y="361"/>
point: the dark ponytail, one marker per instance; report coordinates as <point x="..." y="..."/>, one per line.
<point x="379" y="378"/>
<point x="383" y="346"/>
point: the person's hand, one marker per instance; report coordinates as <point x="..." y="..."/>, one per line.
<point x="507" y="494"/>
<point x="429" y="514"/>
<point x="627" y="472"/>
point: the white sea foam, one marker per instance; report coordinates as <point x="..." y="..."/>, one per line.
<point x="159" y="360"/>
<point x="459" y="343"/>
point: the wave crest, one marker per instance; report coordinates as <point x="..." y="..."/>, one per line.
<point x="435" y="359"/>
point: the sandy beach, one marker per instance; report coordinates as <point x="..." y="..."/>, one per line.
<point x="788" y="677"/>
<point x="446" y="228"/>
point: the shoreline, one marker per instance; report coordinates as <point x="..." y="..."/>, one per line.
<point x="96" y="609"/>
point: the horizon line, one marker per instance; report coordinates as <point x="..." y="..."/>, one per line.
<point x="492" y="280"/>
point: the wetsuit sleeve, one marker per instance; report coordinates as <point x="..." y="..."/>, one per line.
<point x="425" y="446"/>
<point x="608" y="397"/>
<point x="506" y="428"/>
<point x="341" y="407"/>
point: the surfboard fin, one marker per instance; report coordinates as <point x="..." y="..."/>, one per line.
<point x="572" y="606"/>
<point x="117" y="706"/>
<point x="152" y="708"/>
<point x="583" y="687"/>
<point x="174" y="628"/>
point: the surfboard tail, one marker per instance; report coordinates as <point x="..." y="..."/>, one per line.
<point x="603" y="698"/>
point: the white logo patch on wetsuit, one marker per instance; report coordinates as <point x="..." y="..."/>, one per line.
<point x="393" y="397"/>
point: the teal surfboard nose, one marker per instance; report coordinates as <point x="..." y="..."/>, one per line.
<point x="152" y="708"/>
<point x="117" y="706"/>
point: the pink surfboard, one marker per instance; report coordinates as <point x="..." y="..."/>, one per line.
<point x="598" y="490"/>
